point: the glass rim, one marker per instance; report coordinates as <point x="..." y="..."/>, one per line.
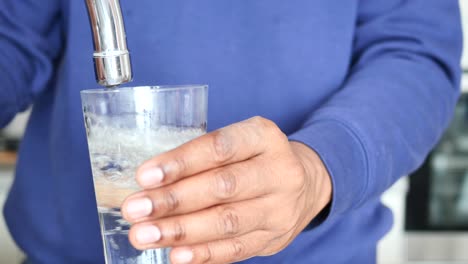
<point x="154" y="88"/>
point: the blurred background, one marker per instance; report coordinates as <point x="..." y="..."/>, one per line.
<point x="430" y="207"/>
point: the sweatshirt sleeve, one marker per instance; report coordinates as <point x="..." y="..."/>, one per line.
<point x="30" y="44"/>
<point x="398" y="98"/>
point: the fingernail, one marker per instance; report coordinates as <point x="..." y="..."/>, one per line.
<point x="139" y="207"/>
<point x="150" y="177"/>
<point x="147" y="234"/>
<point x="183" y="256"/>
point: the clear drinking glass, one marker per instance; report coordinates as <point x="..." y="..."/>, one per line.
<point x="125" y="127"/>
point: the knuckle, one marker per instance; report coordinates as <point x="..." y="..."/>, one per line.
<point x="226" y="184"/>
<point x="207" y="254"/>
<point x="258" y="120"/>
<point x="269" y="127"/>
<point x="277" y="133"/>
<point x="180" y="164"/>
<point x="222" y="146"/>
<point x="172" y="201"/>
<point x="263" y="122"/>
<point x="238" y="248"/>
<point x="179" y="232"/>
<point x="229" y="222"/>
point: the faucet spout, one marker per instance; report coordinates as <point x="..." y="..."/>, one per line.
<point x="111" y="57"/>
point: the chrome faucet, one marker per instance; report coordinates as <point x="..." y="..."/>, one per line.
<point x="111" y="57"/>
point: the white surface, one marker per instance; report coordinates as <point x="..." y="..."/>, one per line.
<point x="15" y="129"/>
<point x="9" y="253"/>
<point x="464" y="82"/>
<point x="392" y="248"/>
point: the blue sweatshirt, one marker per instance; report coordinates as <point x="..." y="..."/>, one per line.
<point x="369" y="85"/>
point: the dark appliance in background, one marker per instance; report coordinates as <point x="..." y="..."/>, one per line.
<point x="8" y="144"/>
<point x="438" y="195"/>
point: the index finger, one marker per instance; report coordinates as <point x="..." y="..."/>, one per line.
<point x="227" y="145"/>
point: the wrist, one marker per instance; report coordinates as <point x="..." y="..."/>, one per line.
<point x="320" y="184"/>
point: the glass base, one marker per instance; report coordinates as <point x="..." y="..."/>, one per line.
<point x="117" y="247"/>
